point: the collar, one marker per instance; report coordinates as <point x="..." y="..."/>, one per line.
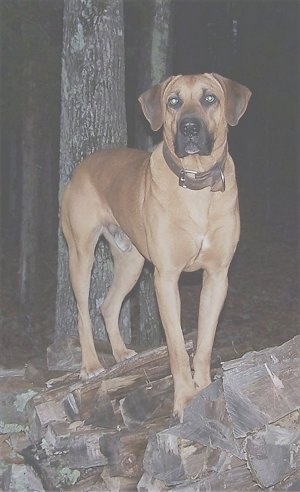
<point x="196" y="180"/>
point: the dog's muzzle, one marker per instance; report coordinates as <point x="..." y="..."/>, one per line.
<point x="192" y="137"/>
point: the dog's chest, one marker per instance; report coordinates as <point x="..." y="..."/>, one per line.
<point x="193" y="212"/>
<point x="202" y="245"/>
<point x="179" y="225"/>
<point x="191" y="223"/>
<point x="195" y="225"/>
<point x="195" y="242"/>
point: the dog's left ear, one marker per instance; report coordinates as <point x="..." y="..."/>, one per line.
<point x="236" y="98"/>
<point x="152" y="104"/>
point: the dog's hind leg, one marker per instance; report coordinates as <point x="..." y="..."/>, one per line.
<point x="81" y="236"/>
<point x="128" y="264"/>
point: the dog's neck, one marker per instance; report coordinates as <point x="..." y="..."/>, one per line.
<point x="194" y="179"/>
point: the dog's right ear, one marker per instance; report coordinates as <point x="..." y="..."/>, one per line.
<point x="152" y="104"/>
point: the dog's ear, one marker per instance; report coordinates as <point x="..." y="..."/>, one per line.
<point x="236" y="98"/>
<point x="152" y="104"/>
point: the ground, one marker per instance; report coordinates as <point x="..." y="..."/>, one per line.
<point x="261" y="309"/>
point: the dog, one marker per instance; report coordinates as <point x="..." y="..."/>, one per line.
<point x="177" y="207"/>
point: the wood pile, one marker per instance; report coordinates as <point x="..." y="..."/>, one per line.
<point x="115" y="433"/>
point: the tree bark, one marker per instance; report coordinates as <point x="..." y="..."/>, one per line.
<point x="155" y="61"/>
<point x="39" y="143"/>
<point x="155" y="64"/>
<point x="93" y="116"/>
<point x="31" y="177"/>
<point x="1" y="168"/>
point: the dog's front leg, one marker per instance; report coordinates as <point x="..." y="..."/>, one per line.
<point x="214" y="290"/>
<point x="166" y="286"/>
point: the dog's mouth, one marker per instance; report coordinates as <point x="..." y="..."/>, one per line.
<point x="192" y="138"/>
<point x="184" y="148"/>
<point x="191" y="148"/>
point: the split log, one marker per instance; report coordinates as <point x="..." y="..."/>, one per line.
<point x="115" y="484"/>
<point x="97" y="401"/>
<point x="92" y="482"/>
<point x="262" y="387"/>
<point x="206" y="421"/>
<point x="102" y="412"/>
<point x="93" y="400"/>
<point x="140" y="399"/>
<point x="236" y="479"/>
<point x="17" y="441"/>
<point x="273" y="454"/>
<point x="57" y="435"/>
<point x="11" y="446"/>
<point x="114" y="430"/>
<point x="172" y="459"/>
<point x="41" y="412"/>
<point x="84" y="451"/>
<point x="147" y="366"/>
<point x="205" y="445"/>
<point x="291" y="483"/>
<point x="52" y="468"/>
<point x="148" y="402"/>
<point x="152" y="364"/>
<point x="8" y="456"/>
<point x="196" y="472"/>
<point x="150" y="484"/>
<point x="202" y="442"/>
<point x="124" y="450"/>
<point x="22" y="476"/>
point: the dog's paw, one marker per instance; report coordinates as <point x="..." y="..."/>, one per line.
<point x="178" y="412"/>
<point x="126" y="354"/>
<point x="201" y="382"/>
<point x="180" y="402"/>
<point x="87" y="374"/>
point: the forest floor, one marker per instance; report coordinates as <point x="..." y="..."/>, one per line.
<point x="261" y="309"/>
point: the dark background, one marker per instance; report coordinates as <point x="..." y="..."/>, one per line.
<point x="263" y="55"/>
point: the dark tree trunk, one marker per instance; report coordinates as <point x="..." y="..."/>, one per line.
<point x="155" y="64"/>
<point x="29" y="252"/>
<point x="10" y="142"/>
<point x="39" y="143"/>
<point x="93" y="116"/>
<point x="154" y="60"/>
<point x="1" y="154"/>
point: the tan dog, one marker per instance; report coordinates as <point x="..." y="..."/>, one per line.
<point x="177" y="207"/>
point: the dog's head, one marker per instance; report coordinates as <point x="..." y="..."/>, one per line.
<point x="195" y="111"/>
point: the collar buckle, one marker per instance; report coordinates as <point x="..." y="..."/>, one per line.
<point x="184" y="173"/>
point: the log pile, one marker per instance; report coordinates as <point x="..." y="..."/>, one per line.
<point x="115" y="433"/>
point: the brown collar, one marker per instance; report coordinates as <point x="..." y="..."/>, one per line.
<point x="196" y="180"/>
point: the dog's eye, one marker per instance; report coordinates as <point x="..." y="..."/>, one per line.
<point x="209" y="98"/>
<point x="174" y="102"/>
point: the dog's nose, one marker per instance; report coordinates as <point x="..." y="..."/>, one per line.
<point x="190" y="127"/>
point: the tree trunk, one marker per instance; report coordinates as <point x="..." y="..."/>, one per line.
<point x="39" y="145"/>
<point x="93" y="116"/>
<point x="10" y="145"/>
<point x="154" y="62"/>
<point x="31" y="176"/>
<point x="1" y="168"/>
